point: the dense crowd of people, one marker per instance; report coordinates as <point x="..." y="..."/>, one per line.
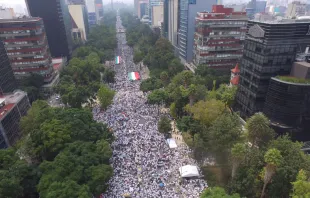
<point x="144" y="165"/>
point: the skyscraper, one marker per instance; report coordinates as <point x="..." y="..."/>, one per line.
<point x="187" y="12"/>
<point x="92" y="19"/>
<point x="98" y="10"/>
<point x="170" y="25"/>
<point x="57" y="22"/>
<point x="7" y="79"/>
<point x="269" y="50"/>
<point x="27" y="48"/>
<point x="80" y="17"/>
<point x="219" y="37"/>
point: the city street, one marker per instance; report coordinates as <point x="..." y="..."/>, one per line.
<point x="144" y="165"/>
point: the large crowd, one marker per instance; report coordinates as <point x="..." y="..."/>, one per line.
<point x="144" y="165"/>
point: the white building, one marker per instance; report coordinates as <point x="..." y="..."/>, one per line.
<point x="7" y="13"/>
<point x="295" y="9"/>
<point x="157" y="15"/>
<point x="80" y="19"/>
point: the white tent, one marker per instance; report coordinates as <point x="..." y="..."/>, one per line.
<point x="171" y="143"/>
<point x="188" y="171"/>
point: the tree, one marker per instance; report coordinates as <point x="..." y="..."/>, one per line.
<point x="226" y="94"/>
<point x="217" y="192"/>
<point x="164" y="77"/>
<point x="109" y="76"/>
<point x="224" y="132"/>
<point x="273" y="159"/>
<point x="238" y="153"/>
<point x="164" y="125"/>
<point x="258" y="130"/>
<point x="295" y="159"/>
<point x="206" y="111"/>
<point x="301" y="187"/>
<point x="105" y="96"/>
<point x="158" y="96"/>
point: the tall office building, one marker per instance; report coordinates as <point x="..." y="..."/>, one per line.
<point x="12" y="107"/>
<point x="7" y="79"/>
<point x="158" y="9"/>
<point x="26" y="45"/>
<point x="295" y="9"/>
<point x="57" y="22"/>
<point x="219" y="37"/>
<point x="136" y="7"/>
<point x="269" y="50"/>
<point x="254" y="7"/>
<point x="142" y="8"/>
<point x="80" y="19"/>
<point x="157" y="15"/>
<point x="92" y="19"/>
<point x="99" y="10"/>
<point x="170" y="22"/>
<point x="187" y="12"/>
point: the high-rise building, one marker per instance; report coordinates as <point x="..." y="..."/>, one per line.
<point x="254" y="7"/>
<point x="159" y="10"/>
<point x="136" y="7"/>
<point x="12" y="107"/>
<point x="187" y="12"/>
<point x="219" y="37"/>
<point x="295" y="9"/>
<point x="91" y="9"/>
<point x="142" y="8"/>
<point x="57" y="22"/>
<point x="99" y="10"/>
<point x="157" y="15"/>
<point x="27" y="47"/>
<point x="80" y="18"/>
<point x="7" y="13"/>
<point x="7" y="79"/>
<point x="170" y="22"/>
<point x="269" y="50"/>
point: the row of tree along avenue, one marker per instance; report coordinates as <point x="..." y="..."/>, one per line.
<point x="250" y="161"/>
<point x="63" y="152"/>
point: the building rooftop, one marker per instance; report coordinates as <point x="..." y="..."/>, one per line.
<point x="10" y="101"/>
<point x="20" y="20"/>
<point x="304" y="63"/>
<point x="235" y="70"/>
<point x="284" y="21"/>
<point x="293" y="79"/>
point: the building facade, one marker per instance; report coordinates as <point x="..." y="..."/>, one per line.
<point x="268" y="51"/>
<point x="27" y="47"/>
<point x="142" y="8"/>
<point x="254" y="7"/>
<point x="288" y="107"/>
<point x="7" y="79"/>
<point x="7" y="13"/>
<point x="92" y="19"/>
<point x="153" y="3"/>
<point x="80" y="17"/>
<point x="219" y="37"/>
<point x="186" y="28"/>
<point x="157" y="15"/>
<point x="171" y="21"/>
<point x="295" y="9"/>
<point x="99" y="10"/>
<point x="57" y="22"/>
<point x="12" y="107"/>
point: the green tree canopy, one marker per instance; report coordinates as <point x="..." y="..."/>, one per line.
<point x="217" y="192"/>
<point x="164" y="125"/>
<point x="105" y="96"/>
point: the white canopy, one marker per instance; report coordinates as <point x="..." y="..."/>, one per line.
<point x="171" y="143"/>
<point x="188" y="171"/>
